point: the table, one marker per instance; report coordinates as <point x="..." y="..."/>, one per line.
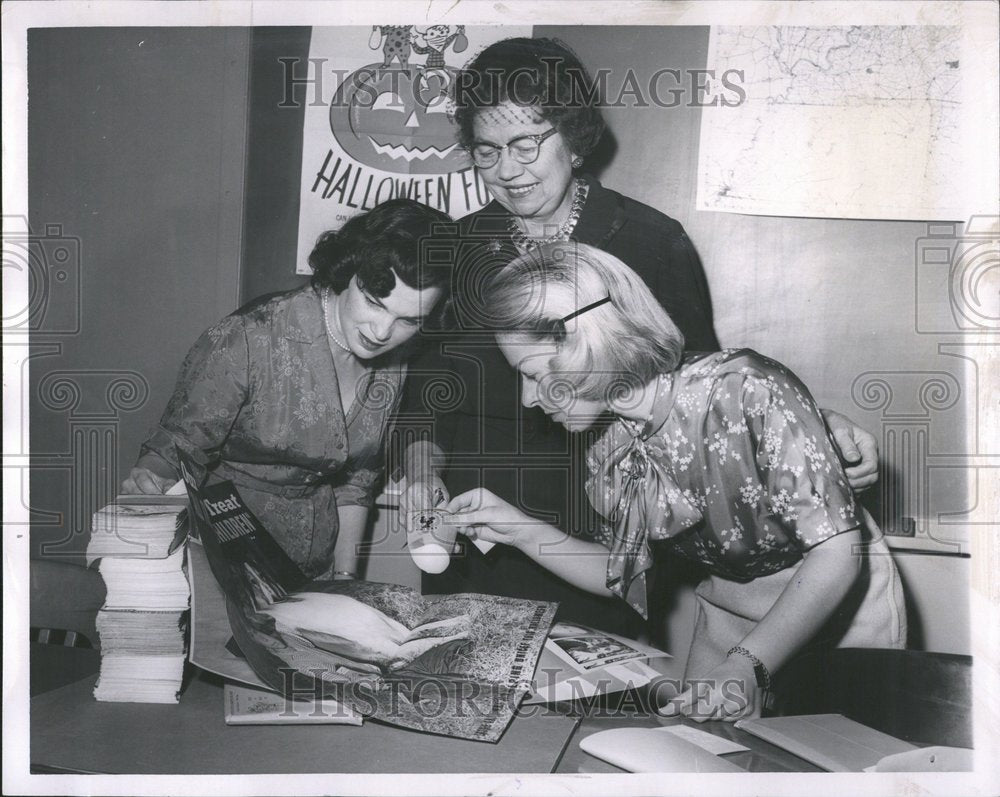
<point x="71" y="732"/>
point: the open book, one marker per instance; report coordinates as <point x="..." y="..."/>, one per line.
<point x="457" y="665"/>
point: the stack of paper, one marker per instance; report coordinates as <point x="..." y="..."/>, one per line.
<point x="140" y="679"/>
<point x="146" y="583"/>
<point x="142" y="622"/>
<point x="134" y="527"/>
<point x="125" y="632"/>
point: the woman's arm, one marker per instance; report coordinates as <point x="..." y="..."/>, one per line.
<point x="730" y="691"/>
<point x="802" y="486"/>
<point x="480" y="514"/>
<point x="431" y="376"/>
<point x="353" y="521"/>
<point x="365" y="471"/>
<point x="823" y="579"/>
<point x="211" y="389"/>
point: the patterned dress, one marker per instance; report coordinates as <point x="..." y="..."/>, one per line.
<point x="258" y="399"/>
<point x="734" y="469"/>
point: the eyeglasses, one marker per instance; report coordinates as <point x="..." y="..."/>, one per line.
<point x="524" y="149"/>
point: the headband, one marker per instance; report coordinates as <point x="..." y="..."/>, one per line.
<point x="583" y="310"/>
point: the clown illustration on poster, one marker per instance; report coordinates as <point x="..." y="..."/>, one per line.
<point x="383" y="131"/>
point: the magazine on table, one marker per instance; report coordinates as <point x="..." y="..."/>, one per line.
<point x="579" y="662"/>
<point x="457" y="665"/>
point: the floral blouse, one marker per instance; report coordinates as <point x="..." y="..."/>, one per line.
<point x="734" y="469"/>
<point x="258" y="399"/>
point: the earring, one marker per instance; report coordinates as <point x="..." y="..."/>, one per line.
<point x="577" y="162"/>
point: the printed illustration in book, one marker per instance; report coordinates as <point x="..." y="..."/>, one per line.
<point x="456" y="665"/>
<point x="579" y="662"/>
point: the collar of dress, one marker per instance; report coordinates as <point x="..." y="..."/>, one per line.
<point x="632" y="486"/>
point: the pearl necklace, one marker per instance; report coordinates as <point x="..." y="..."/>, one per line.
<point x="326" y="322"/>
<point x="526" y="243"/>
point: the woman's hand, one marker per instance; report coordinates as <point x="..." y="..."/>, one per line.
<point x="142" y="481"/>
<point x="729" y="692"/>
<point x="480" y="514"/>
<point x="858" y="448"/>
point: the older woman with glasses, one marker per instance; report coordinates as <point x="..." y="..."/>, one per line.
<point x="722" y="459"/>
<point x="527" y="116"/>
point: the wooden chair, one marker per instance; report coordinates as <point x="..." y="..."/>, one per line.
<point x="920" y="697"/>
<point x="64" y="601"/>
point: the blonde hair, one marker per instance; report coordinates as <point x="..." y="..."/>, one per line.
<point x="604" y="352"/>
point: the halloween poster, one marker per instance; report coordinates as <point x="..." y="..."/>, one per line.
<point x="384" y="130"/>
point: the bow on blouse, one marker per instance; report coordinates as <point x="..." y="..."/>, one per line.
<point x="631" y="487"/>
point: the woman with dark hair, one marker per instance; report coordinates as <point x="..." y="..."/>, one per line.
<point x="290" y="396"/>
<point x="720" y="458"/>
<point x="527" y="113"/>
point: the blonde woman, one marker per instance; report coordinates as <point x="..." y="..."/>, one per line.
<point x="722" y="458"/>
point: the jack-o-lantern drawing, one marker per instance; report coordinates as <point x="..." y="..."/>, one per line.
<point x="397" y="119"/>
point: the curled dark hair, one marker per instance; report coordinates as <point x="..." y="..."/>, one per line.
<point x="390" y="240"/>
<point x="540" y="73"/>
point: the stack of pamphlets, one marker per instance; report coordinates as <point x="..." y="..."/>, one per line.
<point x="138" y="540"/>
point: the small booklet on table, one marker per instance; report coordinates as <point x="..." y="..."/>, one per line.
<point x="245" y="705"/>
